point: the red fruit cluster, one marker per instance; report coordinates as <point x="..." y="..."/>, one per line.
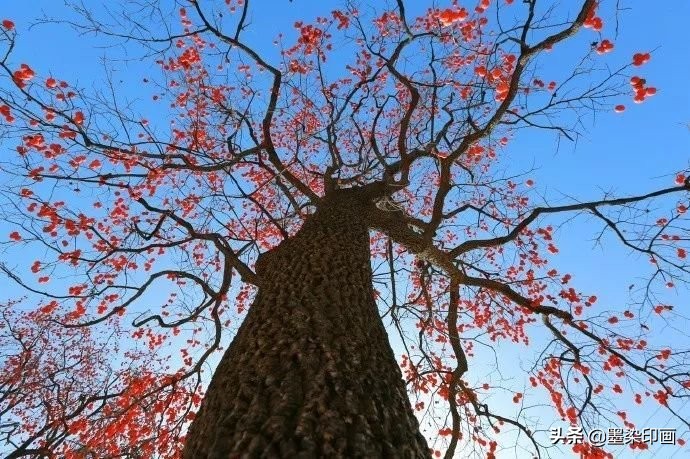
<point x="604" y="47"/>
<point x="641" y="91"/>
<point x="23" y="75"/>
<point x="592" y="21"/>
<point x="449" y="16"/>
<point x="641" y="59"/>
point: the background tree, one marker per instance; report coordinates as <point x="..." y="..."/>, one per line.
<point x="376" y="138"/>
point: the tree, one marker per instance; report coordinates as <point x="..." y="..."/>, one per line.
<point x="55" y="378"/>
<point x="272" y="185"/>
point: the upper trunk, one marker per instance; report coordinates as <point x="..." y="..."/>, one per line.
<point x="310" y="372"/>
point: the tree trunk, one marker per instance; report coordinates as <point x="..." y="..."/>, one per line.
<point x="311" y="372"/>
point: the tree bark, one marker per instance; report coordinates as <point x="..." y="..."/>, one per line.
<point x="311" y="372"/>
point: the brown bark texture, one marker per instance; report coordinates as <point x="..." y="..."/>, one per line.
<point x="311" y="372"/>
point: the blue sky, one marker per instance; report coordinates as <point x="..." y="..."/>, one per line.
<point x="637" y="151"/>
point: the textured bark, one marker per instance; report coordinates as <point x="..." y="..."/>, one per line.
<point x="311" y="372"/>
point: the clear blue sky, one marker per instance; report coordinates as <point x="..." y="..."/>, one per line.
<point x="633" y="152"/>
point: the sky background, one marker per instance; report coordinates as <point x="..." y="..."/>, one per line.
<point x="628" y="153"/>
